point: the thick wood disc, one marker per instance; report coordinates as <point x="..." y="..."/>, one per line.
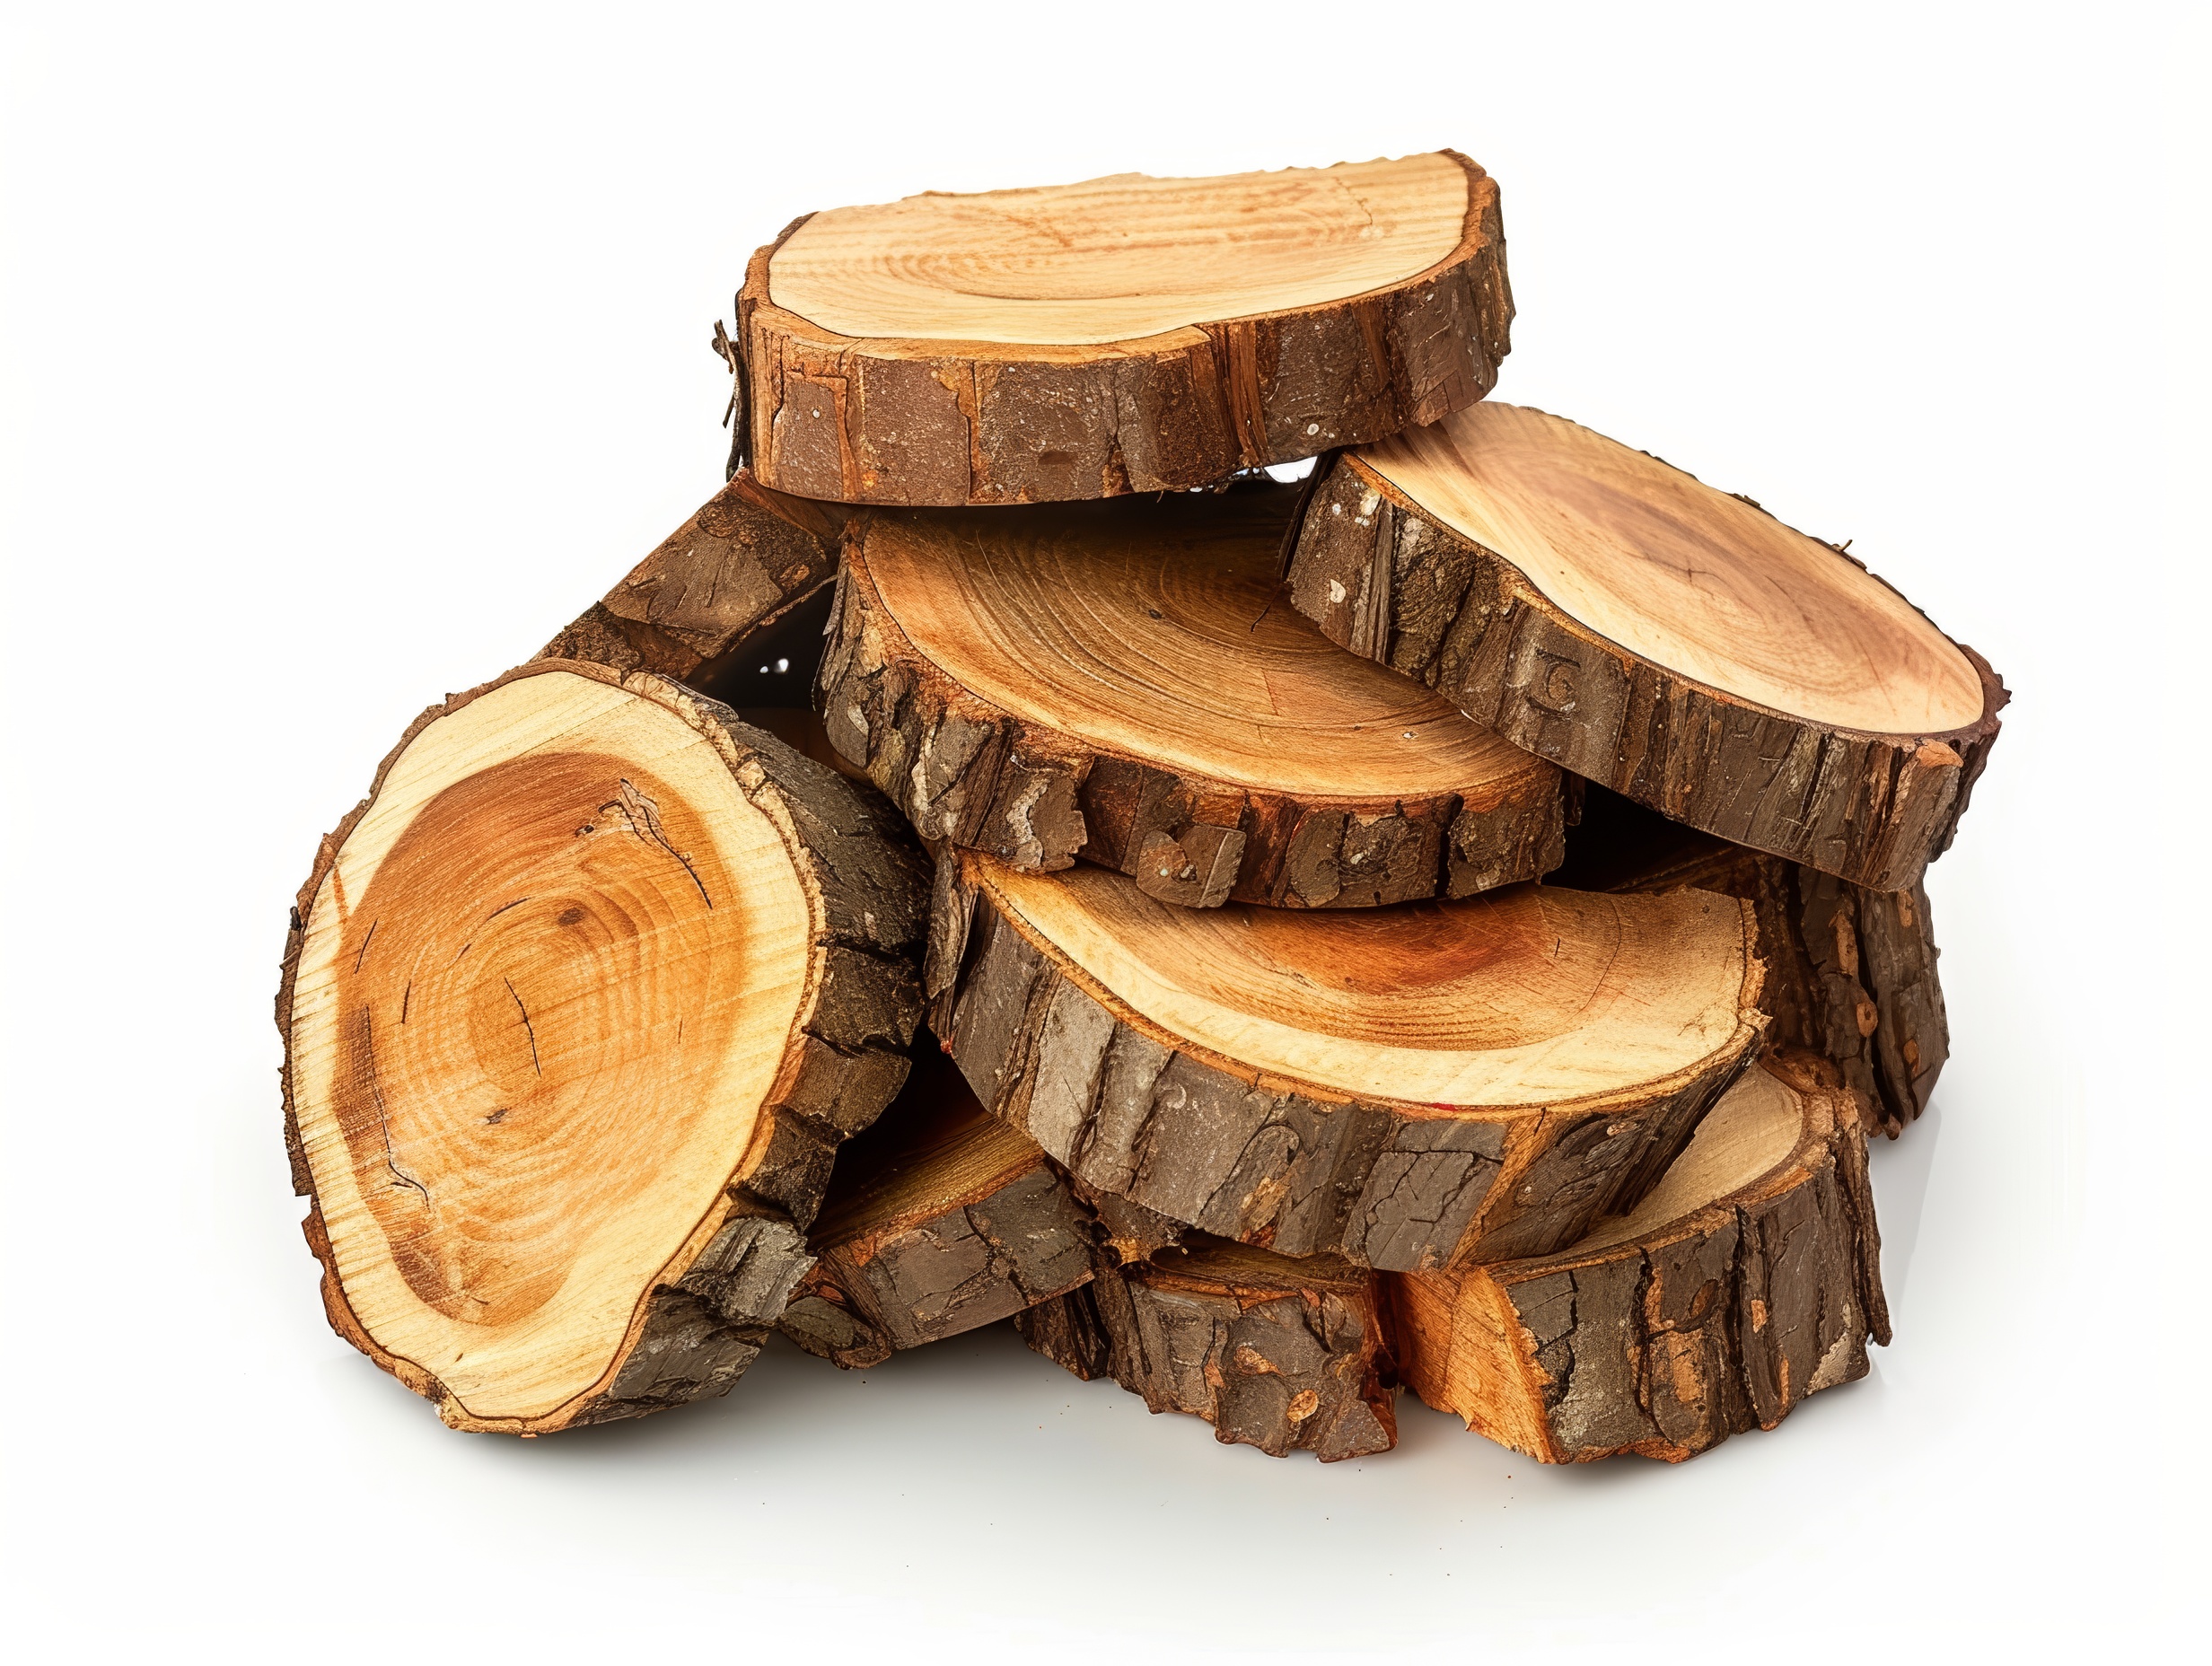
<point x="1275" y="1353"/>
<point x="1851" y="972"/>
<point x="578" y="1005"/>
<point x="1126" y="334"/>
<point x="1647" y="631"/>
<point x="1126" y="682"/>
<point x="1418" y="1086"/>
<point x="938" y="1218"/>
<point x="1748" y="1279"/>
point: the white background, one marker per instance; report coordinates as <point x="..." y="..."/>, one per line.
<point x="353" y="350"/>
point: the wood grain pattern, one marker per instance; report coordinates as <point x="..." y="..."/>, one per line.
<point x="1651" y="633"/>
<point x="577" y="1004"/>
<point x="938" y="1218"/>
<point x="1126" y="334"/>
<point x="1414" y="1087"/>
<point x="1747" y="1279"/>
<point x="1125" y="682"/>
<point x="1287" y="1356"/>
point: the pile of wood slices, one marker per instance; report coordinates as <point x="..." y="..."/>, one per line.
<point x="1450" y="922"/>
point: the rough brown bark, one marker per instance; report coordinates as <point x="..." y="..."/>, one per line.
<point x="746" y="559"/>
<point x="1382" y="577"/>
<point x="885" y="420"/>
<point x="1664" y="1337"/>
<point x="1851" y="972"/>
<point x="938" y="1219"/>
<point x="967" y="770"/>
<point x="1182" y="1131"/>
<point x="1287" y="1356"/>
<point x="700" y="1319"/>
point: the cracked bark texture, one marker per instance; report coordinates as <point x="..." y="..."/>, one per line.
<point x="968" y="771"/>
<point x="1287" y="1356"/>
<point x="1663" y="1339"/>
<point x="702" y="1319"/>
<point x="746" y="558"/>
<point x="901" y="421"/>
<point x="1384" y="578"/>
<point x="938" y="1219"/>
<point x="1135" y="1112"/>
<point x="1851" y="972"/>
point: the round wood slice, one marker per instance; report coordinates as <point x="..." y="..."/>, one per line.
<point x="576" y="1006"/>
<point x="1418" y="1086"/>
<point x="1125" y="335"/>
<point x="1748" y="1279"/>
<point x="938" y="1218"/>
<point x="1285" y="1354"/>
<point x="1126" y="683"/>
<point x="1676" y="644"/>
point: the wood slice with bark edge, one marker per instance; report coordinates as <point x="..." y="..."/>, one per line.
<point x="1284" y="1354"/>
<point x="1749" y="1279"/>
<point x="578" y="1005"/>
<point x="1125" y="683"/>
<point x="1667" y="640"/>
<point x="689" y="610"/>
<point x="1420" y="1086"/>
<point x="1126" y="334"/>
<point x="1851" y="972"/>
<point x="938" y="1218"/>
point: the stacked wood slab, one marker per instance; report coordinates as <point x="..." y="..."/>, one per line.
<point x="1450" y="922"/>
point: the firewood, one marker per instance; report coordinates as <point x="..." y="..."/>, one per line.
<point x="1748" y="1279"/>
<point x="938" y="1218"/>
<point x="578" y="1005"/>
<point x="1125" y="682"/>
<point x="1647" y="631"/>
<point x="1275" y="1353"/>
<point x="1124" y="335"/>
<point x="1851" y="972"/>
<point x="1416" y="1086"/>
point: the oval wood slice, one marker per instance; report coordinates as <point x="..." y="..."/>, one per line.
<point x="1676" y="644"/>
<point x="1285" y="1354"/>
<point x="939" y="1218"/>
<point x="1748" y="1279"/>
<point x="1124" y="335"/>
<point x="1418" y="1086"/>
<point x="578" y="1005"/>
<point x="1126" y="682"/>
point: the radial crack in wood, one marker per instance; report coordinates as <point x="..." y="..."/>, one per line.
<point x="1418" y="1086"/>
<point x="938" y="1218"/>
<point x="1126" y="682"/>
<point x="1129" y="334"/>
<point x="1748" y="1279"/>
<point x="1670" y="640"/>
<point x="578" y="1005"/>
<point x="1281" y="1354"/>
<point x="1851" y="972"/>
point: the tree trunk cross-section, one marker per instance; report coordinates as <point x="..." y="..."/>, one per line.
<point x="1286" y="1355"/>
<point x="1126" y="334"/>
<point x="577" y="1006"/>
<point x="1750" y="1278"/>
<point x="1649" y="633"/>
<point x="1414" y="1087"/>
<point x="939" y="1218"/>
<point x="1125" y="682"/>
<point x="1851" y="972"/>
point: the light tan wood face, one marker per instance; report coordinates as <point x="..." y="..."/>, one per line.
<point x="1120" y="259"/>
<point x="1756" y="1128"/>
<point x="1521" y="996"/>
<point x="545" y="989"/>
<point x="1682" y="574"/>
<point x="1158" y="632"/>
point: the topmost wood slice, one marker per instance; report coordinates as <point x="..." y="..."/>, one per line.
<point x="1125" y="335"/>
<point x="1642" y="630"/>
